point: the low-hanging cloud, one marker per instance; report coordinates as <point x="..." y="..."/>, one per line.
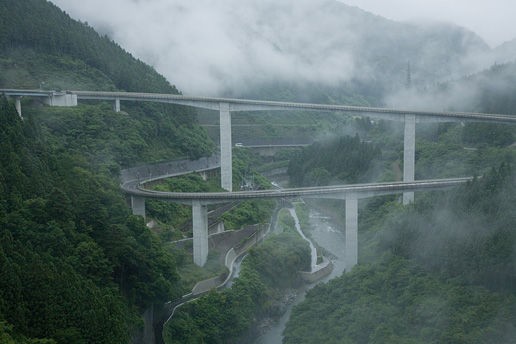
<point x="208" y="47"/>
<point x="493" y="20"/>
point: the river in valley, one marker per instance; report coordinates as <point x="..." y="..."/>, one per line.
<point x="329" y="236"/>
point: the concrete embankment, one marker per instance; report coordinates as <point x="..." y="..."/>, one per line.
<point x="318" y="272"/>
<point x="241" y="245"/>
<point x="255" y="234"/>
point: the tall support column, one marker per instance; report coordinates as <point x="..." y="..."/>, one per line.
<point x="200" y="233"/>
<point x="17" y="104"/>
<point x="351" y="233"/>
<point x="138" y="205"/>
<point x="116" y="105"/>
<point x="226" y="165"/>
<point x="409" y="155"/>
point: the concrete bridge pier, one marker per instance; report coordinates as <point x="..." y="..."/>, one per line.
<point x="409" y="155"/>
<point x="61" y="99"/>
<point x="220" y="227"/>
<point x="200" y="233"/>
<point x="17" y="104"/>
<point x="116" y="105"/>
<point x="351" y="233"/>
<point x="138" y="205"/>
<point x="226" y="166"/>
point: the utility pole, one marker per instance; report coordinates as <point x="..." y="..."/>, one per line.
<point x="408" y="83"/>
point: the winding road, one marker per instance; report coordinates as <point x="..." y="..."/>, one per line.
<point x="136" y="188"/>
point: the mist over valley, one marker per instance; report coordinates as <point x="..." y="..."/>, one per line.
<point x="131" y="214"/>
<point x="232" y="49"/>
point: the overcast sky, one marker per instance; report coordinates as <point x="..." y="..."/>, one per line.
<point x="211" y="46"/>
<point x="493" y="20"/>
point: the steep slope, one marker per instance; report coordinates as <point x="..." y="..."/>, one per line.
<point x="341" y="49"/>
<point x="443" y="273"/>
<point x="39" y="26"/>
<point x="66" y="246"/>
<point x="41" y="47"/>
<point x="441" y="270"/>
<point x="75" y="265"/>
<point x="490" y="91"/>
<point x="505" y="52"/>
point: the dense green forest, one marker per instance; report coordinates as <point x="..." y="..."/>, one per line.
<point x="227" y="317"/>
<point x="488" y="91"/>
<point x="175" y="219"/>
<point x="57" y="48"/>
<point x="443" y="269"/>
<point x="75" y="265"/>
<point x="41" y="46"/>
<point x="341" y="160"/>
<point x="443" y="272"/>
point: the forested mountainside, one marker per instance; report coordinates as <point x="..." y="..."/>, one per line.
<point x="443" y="269"/>
<point x="42" y="47"/>
<point x="227" y="317"/>
<point x="40" y="43"/>
<point x="356" y="56"/>
<point x="443" y="272"/>
<point x="346" y="160"/>
<point x="505" y="52"/>
<point x="75" y="265"/>
<point x="489" y="91"/>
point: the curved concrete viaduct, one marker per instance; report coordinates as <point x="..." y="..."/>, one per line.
<point x="227" y="105"/>
<point x="200" y="201"/>
<point x="347" y="191"/>
<point x="236" y="105"/>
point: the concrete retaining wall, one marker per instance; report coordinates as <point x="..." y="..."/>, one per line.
<point x="221" y="241"/>
<point x="230" y="258"/>
<point x="253" y="239"/>
<point x="169" y="169"/>
<point x="319" y="272"/>
<point x="237" y="251"/>
<point x="65" y="99"/>
<point x="208" y="284"/>
<point x="275" y="172"/>
<point x="237" y="242"/>
<point x="247" y="238"/>
<point x="202" y="287"/>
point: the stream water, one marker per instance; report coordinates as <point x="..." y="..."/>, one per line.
<point x="326" y="235"/>
<point x="313" y="250"/>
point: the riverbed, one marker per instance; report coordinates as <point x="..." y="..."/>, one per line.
<point x="327" y="235"/>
